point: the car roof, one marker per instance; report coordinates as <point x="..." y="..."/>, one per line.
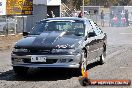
<point x="66" y="18"/>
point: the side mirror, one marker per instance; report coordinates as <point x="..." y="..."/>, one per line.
<point x="105" y="34"/>
<point x="25" y="33"/>
<point x="91" y="34"/>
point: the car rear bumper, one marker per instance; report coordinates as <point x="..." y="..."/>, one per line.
<point x="58" y="61"/>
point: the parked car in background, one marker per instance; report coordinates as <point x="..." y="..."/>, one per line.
<point x="60" y="43"/>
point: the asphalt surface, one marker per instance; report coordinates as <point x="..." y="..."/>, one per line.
<point x="118" y="66"/>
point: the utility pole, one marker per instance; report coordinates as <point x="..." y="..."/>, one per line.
<point x="83" y="8"/>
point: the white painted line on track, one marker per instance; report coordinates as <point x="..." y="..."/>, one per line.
<point x="126" y="33"/>
<point x="126" y="67"/>
<point x="115" y="53"/>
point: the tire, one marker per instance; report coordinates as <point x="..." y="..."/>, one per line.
<point x="102" y="58"/>
<point x="84" y="81"/>
<point x="20" y="70"/>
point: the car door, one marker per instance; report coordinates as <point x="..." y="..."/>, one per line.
<point x="91" y="44"/>
<point x="98" y="38"/>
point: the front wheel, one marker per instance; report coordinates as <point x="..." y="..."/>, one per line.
<point x="84" y="81"/>
<point x="102" y="58"/>
<point x="83" y="63"/>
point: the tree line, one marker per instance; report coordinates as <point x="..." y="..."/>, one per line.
<point x="77" y="3"/>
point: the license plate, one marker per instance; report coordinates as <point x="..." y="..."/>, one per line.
<point x="38" y="59"/>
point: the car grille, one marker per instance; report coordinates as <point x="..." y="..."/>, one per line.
<point x="39" y="51"/>
<point x="48" y="61"/>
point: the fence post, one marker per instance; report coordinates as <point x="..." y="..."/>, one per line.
<point x="6" y="30"/>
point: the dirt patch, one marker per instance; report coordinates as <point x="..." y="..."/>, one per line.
<point x="6" y="42"/>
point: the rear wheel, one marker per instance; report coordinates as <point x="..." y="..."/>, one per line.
<point x="20" y="70"/>
<point x="102" y="58"/>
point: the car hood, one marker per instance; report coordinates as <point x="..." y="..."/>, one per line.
<point x="49" y="40"/>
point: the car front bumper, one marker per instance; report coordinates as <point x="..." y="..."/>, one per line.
<point x="53" y="61"/>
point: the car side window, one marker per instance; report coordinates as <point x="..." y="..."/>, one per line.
<point x="96" y="28"/>
<point x="88" y="27"/>
<point x="98" y="31"/>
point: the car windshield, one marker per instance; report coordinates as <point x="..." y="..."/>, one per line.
<point x="71" y="26"/>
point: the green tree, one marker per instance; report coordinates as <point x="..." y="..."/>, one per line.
<point x="124" y="2"/>
<point x="76" y="4"/>
<point x="64" y="1"/>
<point x="118" y="2"/>
<point x="79" y="3"/>
<point x="86" y="2"/>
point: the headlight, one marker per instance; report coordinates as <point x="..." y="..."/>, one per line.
<point x="19" y="50"/>
<point x="70" y="51"/>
